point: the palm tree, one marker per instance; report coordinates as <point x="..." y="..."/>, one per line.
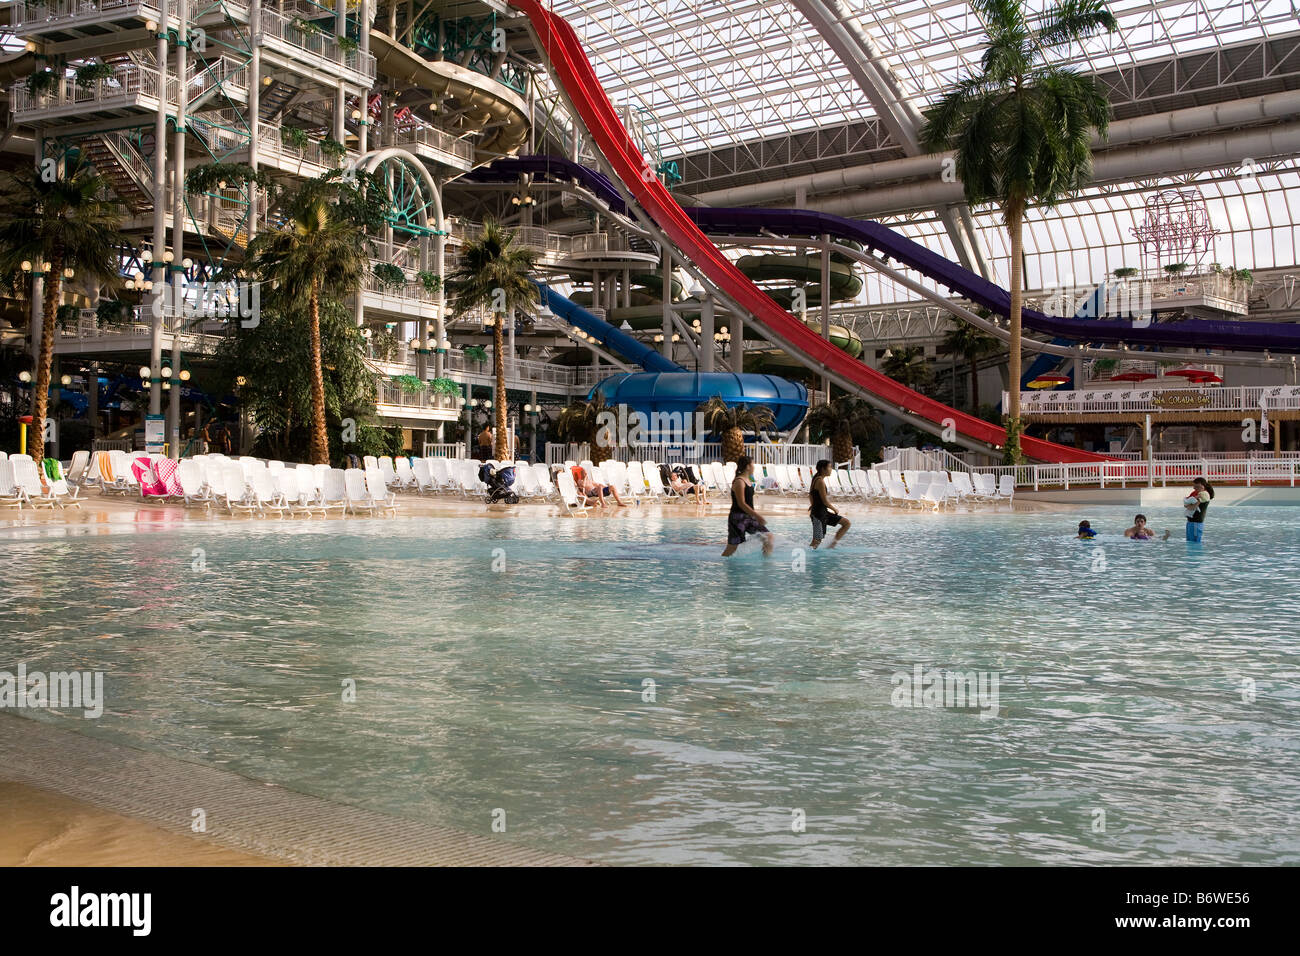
<point x="63" y="222"/>
<point x="732" y="421"/>
<point x="907" y="365"/>
<point x="847" y="421"/>
<point x="580" y="422"/>
<point x="972" y="344"/>
<point x="495" y="273"/>
<point x="320" y="250"/>
<point x="1021" y="127"/>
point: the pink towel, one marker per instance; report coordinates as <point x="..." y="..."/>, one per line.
<point x="150" y="486"/>
<point x="167" y="471"/>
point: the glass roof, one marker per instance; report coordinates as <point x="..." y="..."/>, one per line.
<point x="716" y="73"/>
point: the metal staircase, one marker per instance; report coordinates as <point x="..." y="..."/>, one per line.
<point x="128" y="173"/>
<point x="275" y="100"/>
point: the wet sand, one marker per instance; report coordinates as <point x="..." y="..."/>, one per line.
<point x="40" y="828"/>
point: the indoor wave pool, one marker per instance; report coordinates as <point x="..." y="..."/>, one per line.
<point x="626" y="695"/>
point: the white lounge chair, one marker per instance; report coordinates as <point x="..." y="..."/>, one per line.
<point x="542" y="475"/>
<point x="11" y="494"/>
<point x="333" y="491"/>
<point x="405" y="474"/>
<point x="266" y="495"/>
<point x="358" y="498"/>
<point x="1006" y="488"/>
<point x="377" y="487"/>
<point x="423" y="477"/>
<point x="237" y="492"/>
<point x="77" y="467"/>
<point x="387" y="472"/>
<point x="194" y="486"/>
<point x="573" y="503"/>
<point x="295" y="498"/>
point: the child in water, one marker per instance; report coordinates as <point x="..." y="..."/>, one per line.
<point x="1140" y="531"/>
<point x="1085" y="531"/>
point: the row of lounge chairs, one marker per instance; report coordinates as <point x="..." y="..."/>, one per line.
<point x="24" y="482"/>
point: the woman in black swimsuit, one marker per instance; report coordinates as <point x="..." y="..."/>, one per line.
<point x="743" y="520"/>
<point x="822" y="512"/>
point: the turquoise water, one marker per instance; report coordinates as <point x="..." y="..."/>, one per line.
<point x="1122" y="678"/>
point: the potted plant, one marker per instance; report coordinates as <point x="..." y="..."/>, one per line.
<point x="87" y="75"/>
<point x="112" y="312"/>
<point x="389" y="275"/>
<point x="332" y="149"/>
<point x="384" y="344"/>
<point x="1243" y="276"/>
<point x="409" y="383"/>
<point x="1175" y="269"/>
<point x="347" y="44"/>
<point x="1125" y="272"/>
<point x="476" y="353"/>
<point x="42" y="81"/>
<point x="431" y="281"/>
<point x="65" y="317"/>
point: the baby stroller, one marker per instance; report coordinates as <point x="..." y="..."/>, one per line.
<point x="498" y="483"/>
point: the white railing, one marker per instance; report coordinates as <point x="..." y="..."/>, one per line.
<point x="444" y="450"/>
<point x="438" y="140"/>
<point x="1122" y="474"/>
<point x="763" y="453"/>
<point x="392" y="393"/>
<point x="126" y="83"/>
<point x="1216" y="398"/>
<point x="321" y="44"/>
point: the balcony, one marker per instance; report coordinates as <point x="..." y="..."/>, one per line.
<point x="438" y="146"/>
<point x="421" y="405"/>
<point x="291" y="39"/>
<point x="129" y="88"/>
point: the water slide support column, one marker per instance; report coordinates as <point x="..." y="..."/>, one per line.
<point x="254" y="105"/>
<point x="737" y="342"/>
<point x="159" y="216"/>
<point x="826" y="303"/>
<point x="706" y="333"/>
<point x="666" y="298"/>
<point x="178" y="224"/>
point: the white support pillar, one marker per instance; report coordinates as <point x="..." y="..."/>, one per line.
<point x="363" y="128"/>
<point x="159" y="267"/>
<point x="706" y="334"/>
<point x="826" y="303"/>
<point x="254" y="106"/>
<point x="737" y="342"/>
<point x="178" y="223"/>
<point x="666" y="298"/>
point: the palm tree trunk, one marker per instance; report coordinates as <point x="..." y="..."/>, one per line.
<point x="1015" y="226"/>
<point x="974" y="385"/>
<point x="320" y="443"/>
<point x="41" y="396"/>
<point x="502" y="450"/>
<point x="842" y="447"/>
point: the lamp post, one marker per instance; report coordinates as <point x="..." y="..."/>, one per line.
<point x="37" y="270"/>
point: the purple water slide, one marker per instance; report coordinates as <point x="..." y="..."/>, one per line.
<point x="1183" y="333"/>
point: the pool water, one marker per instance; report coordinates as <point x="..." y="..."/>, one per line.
<point x="626" y="695"/>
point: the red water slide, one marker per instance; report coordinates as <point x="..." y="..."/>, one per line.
<point x="572" y="70"/>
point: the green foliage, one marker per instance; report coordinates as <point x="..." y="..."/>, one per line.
<point x="489" y="263"/>
<point x="845" y="420"/>
<point x="67" y="316"/>
<point x="431" y="281"/>
<point x="445" y="386"/>
<point x="579" y="422"/>
<point x="88" y="74"/>
<point x="1125" y="272"/>
<point x="1021" y="124"/>
<point x="332" y="149"/>
<point x="384" y="344"/>
<point x="908" y="366"/>
<point x="347" y="44"/>
<point x="294" y="138"/>
<point x="42" y="81"/>
<point x="112" y="312"/>
<point x="306" y="27"/>
<point x="1105" y="365"/>
<point x="390" y="276"/>
<point x="475" y="353"/>
<point x="409" y="383"/>
<point x="1176" y="268"/>
<point x="719" y="417"/>
<point x="1243" y="275"/>
<point x="275" y="358"/>
<point x="1011" y="453"/>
